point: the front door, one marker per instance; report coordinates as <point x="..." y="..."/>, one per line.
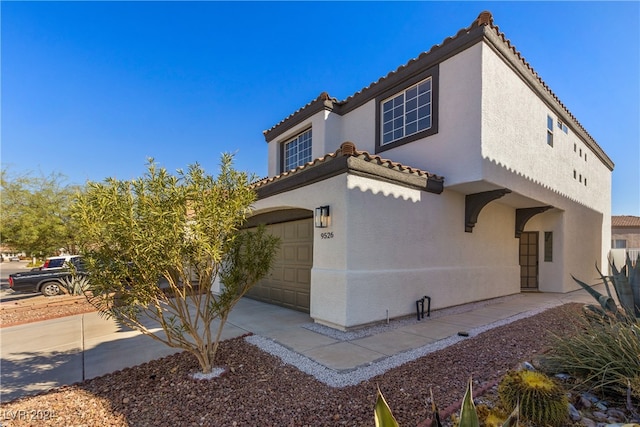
<point x="529" y="261"/>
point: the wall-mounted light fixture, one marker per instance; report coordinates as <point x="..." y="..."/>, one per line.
<point x="321" y="217"/>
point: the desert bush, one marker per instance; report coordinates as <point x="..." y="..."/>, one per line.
<point x="605" y="355"/>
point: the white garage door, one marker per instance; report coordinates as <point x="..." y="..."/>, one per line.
<point x="289" y="283"/>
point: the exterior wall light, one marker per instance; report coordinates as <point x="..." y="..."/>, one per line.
<point x="321" y="217"/>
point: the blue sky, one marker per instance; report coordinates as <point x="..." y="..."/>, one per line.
<point x="92" y="89"/>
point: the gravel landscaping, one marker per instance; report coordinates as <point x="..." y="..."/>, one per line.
<point x="259" y="388"/>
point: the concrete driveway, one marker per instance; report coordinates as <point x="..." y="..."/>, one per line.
<point x="36" y="357"/>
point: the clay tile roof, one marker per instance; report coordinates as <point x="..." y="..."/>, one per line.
<point x="625" y="221"/>
<point x="348" y="149"/>
<point x="323" y="98"/>
<point x="484" y="19"/>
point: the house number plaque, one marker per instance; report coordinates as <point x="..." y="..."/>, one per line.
<point x="327" y="235"/>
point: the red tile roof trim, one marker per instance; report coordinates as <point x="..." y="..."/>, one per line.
<point x="485" y="19"/>
<point x="625" y="221"/>
<point x="349" y="149"/>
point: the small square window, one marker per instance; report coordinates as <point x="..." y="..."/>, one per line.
<point x="619" y="244"/>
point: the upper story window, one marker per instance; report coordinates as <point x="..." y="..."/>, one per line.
<point x="297" y="152"/>
<point x="562" y="126"/>
<point x="550" y="131"/>
<point x="407" y="113"/>
<point x="407" y="110"/>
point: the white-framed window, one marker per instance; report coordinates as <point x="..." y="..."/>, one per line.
<point x="407" y="113"/>
<point x="297" y="152"/>
<point x="550" y="131"/>
<point x="562" y="126"/>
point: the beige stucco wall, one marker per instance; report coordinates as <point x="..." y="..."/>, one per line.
<point x="390" y="245"/>
<point x="370" y="267"/>
<point x="630" y="234"/>
<point x="514" y="129"/>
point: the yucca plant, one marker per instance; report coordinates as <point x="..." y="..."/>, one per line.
<point x="626" y="284"/>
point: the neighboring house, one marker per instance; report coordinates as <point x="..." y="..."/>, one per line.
<point x="491" y="187"/>
<point x="625" y="235"/>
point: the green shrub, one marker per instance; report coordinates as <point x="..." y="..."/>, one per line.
<point x="604" y="355"/>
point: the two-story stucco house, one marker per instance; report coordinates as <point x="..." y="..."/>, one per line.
<point x="459" y="176"/>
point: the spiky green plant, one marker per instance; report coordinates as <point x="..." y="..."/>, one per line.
<point x="468" y="412"/>
<point x="604" y="355"/>
<point x="626" y="284"/>
<point x="382" y="413"/>
<point x="541" y="400"/>
<point x="75" y="285"/>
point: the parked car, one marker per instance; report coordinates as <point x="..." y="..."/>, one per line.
<point x="56" y="262"/>
<point x="14" y="258"/>
<point x="46" y="279"/>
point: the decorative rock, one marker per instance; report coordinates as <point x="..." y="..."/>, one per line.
<point x="562" y="377"/>
<point x="584" y="402"/>
<point x="574" y="413"/>
<point x="586" y="422"/>
<point x="527" y="366"/>
<point x="617" y="414"/>
<point x="602" y="405"/>
<point x="600" y="416"/>
<point x="591" y="397"/>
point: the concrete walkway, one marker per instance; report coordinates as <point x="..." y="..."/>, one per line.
<point x="39" y="356"/>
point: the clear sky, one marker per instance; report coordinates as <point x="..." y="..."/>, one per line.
<point x="92" y="89"/>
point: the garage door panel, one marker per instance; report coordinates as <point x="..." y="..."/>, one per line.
<point x="289" y="282"/>
<point x="289" y="296"/>
<point x="289" y="253"/>
<point x="290" y="231"/>
<point x="290" y="275"/>
<point x="303" y="299"/>
<point x="275" y="294"/>
<point x="303" y="276"/>
<point x="303" y="253"/>
<point x="276" y="274"/>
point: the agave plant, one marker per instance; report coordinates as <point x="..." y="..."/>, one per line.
<point x="468" y="413"/>
<point x="75" y="285"/>
<point x="626" y="284"/>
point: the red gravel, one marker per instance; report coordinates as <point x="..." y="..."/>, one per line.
<point x="258" y="389"/>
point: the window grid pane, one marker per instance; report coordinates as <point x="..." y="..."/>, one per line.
<point x="407" y="113"/>
<point x="298" y="151"/>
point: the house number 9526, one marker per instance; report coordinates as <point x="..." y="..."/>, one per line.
<point x="327" y="235"/>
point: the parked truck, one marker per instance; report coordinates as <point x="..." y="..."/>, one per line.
<point x="48" y="279"/>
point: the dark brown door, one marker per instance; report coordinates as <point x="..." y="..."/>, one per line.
<point x="529" y="261"/>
